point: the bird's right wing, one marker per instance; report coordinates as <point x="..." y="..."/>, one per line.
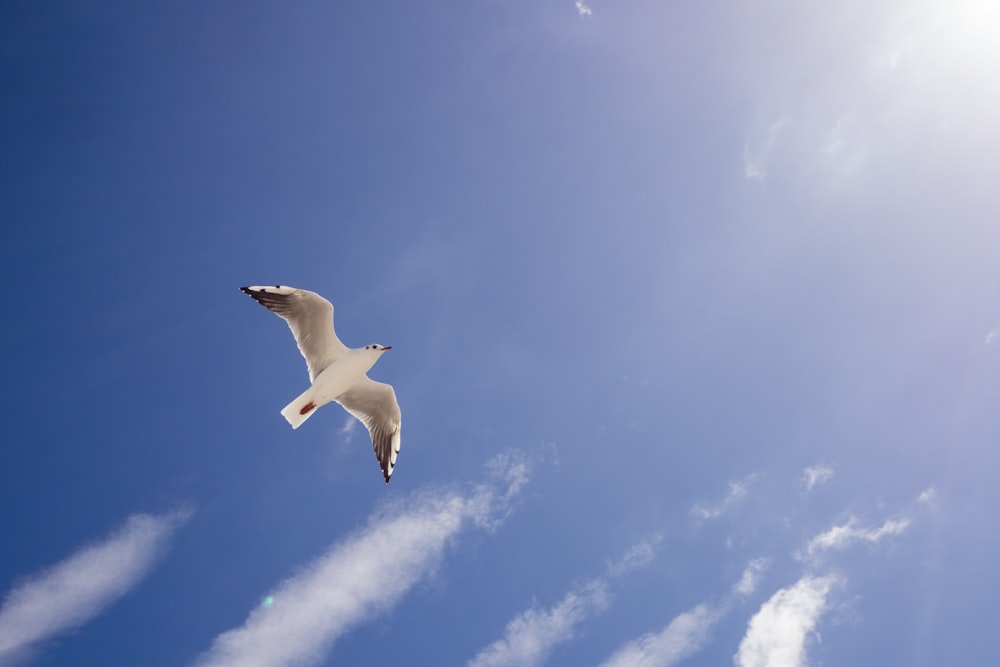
<point x="374" y="403"/>
<point x="309" y="316"/>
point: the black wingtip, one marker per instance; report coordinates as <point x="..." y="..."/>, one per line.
<point x="262" y="290"/>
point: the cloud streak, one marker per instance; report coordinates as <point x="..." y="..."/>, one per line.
<point x="687" y="633"/>
<point x="843" y="536"/>
<point x="748" y="583"/>
<point x="77" y="589"/>
<point x="756" y="158"/>
<point x="682" y="637"/>
<point x="637" y="556"/>
<point x="349" y="428"/>
<point x="777" y="634"/>
<point x="928" y="496"/>
<point x="582" y="9"/>
<point x="737" y="492"/>
<point x="531" y="636"/>
<point x="365" y="574"/>
<point x="815" y="475"/>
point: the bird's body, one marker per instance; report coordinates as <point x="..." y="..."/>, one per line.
<point x="337" y="373"/>
<point x="331" y="383"/>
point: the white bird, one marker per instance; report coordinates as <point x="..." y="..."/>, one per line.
<point x="337" y="372"/>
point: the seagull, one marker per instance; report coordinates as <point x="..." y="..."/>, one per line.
<point x="337" y="372"/>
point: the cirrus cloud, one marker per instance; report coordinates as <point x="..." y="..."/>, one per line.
<point x="75" y="590"/>
<point x="365" y="574"/>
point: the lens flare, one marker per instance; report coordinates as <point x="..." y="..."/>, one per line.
<point x="267" y="602"/>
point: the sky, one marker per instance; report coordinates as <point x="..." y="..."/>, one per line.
<point x="694" y="309"/>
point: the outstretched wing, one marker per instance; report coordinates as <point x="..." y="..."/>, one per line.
<point x="309" y="316"/>
<point x="374" y="403"/>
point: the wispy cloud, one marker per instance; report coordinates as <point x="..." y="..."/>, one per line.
<point x="637" y="556"/>
<point x="928" y="496"/>
<point x="350" y="426"/>
<point x="777" y="634"/>
<point x="751" y="577"/>
<point x="737" y="491"/>
<point x="77" y="589"/>
<point x="682" y="637"/>
<point x="510" y="471"/>
<point x="365" y="574"/>
<point x="844" y="535"/>
<point x="757" y="155"/>
<point x="583" y="9"/>
<point x="533" y="634"/>
<point x="687" y="633"/>
<point x="904" y="89"/>
<point x="993" y="335"/>
<point x="817" y="474"/>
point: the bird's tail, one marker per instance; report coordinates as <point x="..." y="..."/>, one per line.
<point x="301" y="409"/>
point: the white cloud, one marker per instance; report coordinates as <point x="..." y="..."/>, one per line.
<point x="993" y="335"/>
<point x="777" y="634"/>
<point x="843" y="536"/>
<point x="365" y="574"/>
<point x="817" y="474"/>
<point x="928" y="496"/>
<point x="686" y="633"/>
<point x="737" y="491"/>
<point x="349" y="428"/>
<point x="751" y="577"/>
<point x="682" y="637"/>
<point x="511" y="470"/>
<point x="530" y="637"/>
<point x="582" y="9"/>
<point x="756" y="157"/>
<point x="637" y="556"/>
<point x="75" y="590"/>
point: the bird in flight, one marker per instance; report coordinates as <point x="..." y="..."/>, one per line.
<point x="337" y="372"/>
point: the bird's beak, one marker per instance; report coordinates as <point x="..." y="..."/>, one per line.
<point x="388" y="347"/>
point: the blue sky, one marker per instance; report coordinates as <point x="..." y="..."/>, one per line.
<point x="695" y="316"/>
